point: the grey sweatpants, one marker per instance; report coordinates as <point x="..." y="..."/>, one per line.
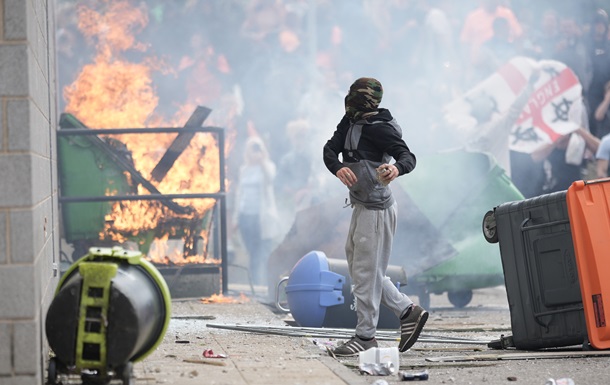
<point x="368" y="249"/>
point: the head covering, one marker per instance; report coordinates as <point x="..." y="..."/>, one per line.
<point x="363" y="98"/>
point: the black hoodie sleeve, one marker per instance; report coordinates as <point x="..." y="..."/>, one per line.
<point x="334" y="146"/>
<point x="390" y="141"/>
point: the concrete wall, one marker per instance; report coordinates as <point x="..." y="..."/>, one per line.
<point x="29" y="232"/>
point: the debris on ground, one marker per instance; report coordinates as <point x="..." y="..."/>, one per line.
<point x="209" y="353"/>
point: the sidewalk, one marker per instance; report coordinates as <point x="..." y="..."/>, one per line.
<point x="251" y="358"/>
<point x="273" y="359"/>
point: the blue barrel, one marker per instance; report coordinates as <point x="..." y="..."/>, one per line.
<point x="318" y="293"/>
<point x="312" y="288"/>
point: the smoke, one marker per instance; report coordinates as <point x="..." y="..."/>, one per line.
<point x="260" y="65"/>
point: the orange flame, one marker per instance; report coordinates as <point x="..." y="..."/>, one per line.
<point x="112" y="92"/>
<point x="219" y="298"/>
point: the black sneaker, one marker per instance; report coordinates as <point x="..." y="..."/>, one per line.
<point x="411" y="326"/>
<point x="353" y="347"/>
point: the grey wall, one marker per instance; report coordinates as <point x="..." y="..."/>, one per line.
<point x="29" y="235"/>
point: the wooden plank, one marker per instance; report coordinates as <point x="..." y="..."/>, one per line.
<point x="179" y="144"/>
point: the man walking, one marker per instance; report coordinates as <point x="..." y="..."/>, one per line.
<point x="367" y="138"/>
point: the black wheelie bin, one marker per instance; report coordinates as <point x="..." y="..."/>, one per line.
<point x="540" y="271"/>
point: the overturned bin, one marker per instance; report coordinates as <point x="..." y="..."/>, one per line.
<point x="111" y="308"/>
<point x="540" y="271"/>
<point x="318" y="293"/>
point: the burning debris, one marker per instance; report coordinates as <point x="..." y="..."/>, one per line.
<point x="219" y="298"/>
<point x="113" y="92"/>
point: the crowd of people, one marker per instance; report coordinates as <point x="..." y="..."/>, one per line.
<point x="286" y="65"/>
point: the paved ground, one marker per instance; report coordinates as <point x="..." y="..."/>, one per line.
<point x="253" y="358"/>
<point x="271" y="359"/>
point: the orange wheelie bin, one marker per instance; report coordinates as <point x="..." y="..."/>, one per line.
<point x="589" y="211"/>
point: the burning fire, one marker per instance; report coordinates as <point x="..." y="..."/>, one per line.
<point x="219" y="298"/>
<point x="112" y="92"/>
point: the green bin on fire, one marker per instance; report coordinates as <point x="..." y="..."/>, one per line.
<point x="92" y="167"/>
<point x="111" y="308"/>
<point x="454" y="190"/>
<point x="85" y="170"/>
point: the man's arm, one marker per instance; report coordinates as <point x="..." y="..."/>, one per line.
<point x="602" y="108"/>
<point x="591" y="141"/>
<point x="392" y="143"/>
<point x="602" y="156"/>
<point x="332" y="149"/>
<point x="601" y="166"/>
<point x="334" y="146"/>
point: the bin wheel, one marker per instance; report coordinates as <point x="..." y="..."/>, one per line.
<point x="52" y="372"/>
<point x="460" y="298"/>
<point x="127" y="374"/>
<point x="489" y="227"/>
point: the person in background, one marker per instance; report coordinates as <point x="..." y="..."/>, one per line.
<point x="544" y="39"/>
<point x="562" y="172"/>
<point x="478" y="28"/>
<point x="599" y="52"/>
<point x="492" y="135"/>
<point x="572" y="51"/>
<point x="293" y="184"/>
<point x="602" y="157"/>
<point x="496" y="51"/>
<point x="255" y="212"/>
<point x="601" y="111"/>
<point x="602" y="154"/>
<point x="367" y="138"/>
<point x="435" y="57"/>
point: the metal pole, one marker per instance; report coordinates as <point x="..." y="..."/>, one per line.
<point x="223" y="214"/>
<point x="148" y="197"/>
<point x="151" y="130"/>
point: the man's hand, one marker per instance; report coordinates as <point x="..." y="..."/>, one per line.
<point x="387" y="173"/>
<point x="347" y="176"/>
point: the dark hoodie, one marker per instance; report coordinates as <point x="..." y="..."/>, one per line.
<point x="365" y="145"/>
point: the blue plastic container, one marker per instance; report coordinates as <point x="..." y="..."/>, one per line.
<point x="318" y="293"/>
<point x="312" y="288"/>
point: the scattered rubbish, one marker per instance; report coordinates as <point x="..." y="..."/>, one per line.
<point x="377" y="369"/>
<point x="182" y="341"/>
<point x="380" y="382"/>
<point x="560" y="381"/>
<point x="419" y="376"/>
<point x="511" y="378"/>
<point x="209" y="353"/>
<point x="205" y="362"/>
<point x="379" y="356"/>
<point x="323" y="344"/>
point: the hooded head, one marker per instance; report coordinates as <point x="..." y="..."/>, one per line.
<point x="363" y="98"/>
